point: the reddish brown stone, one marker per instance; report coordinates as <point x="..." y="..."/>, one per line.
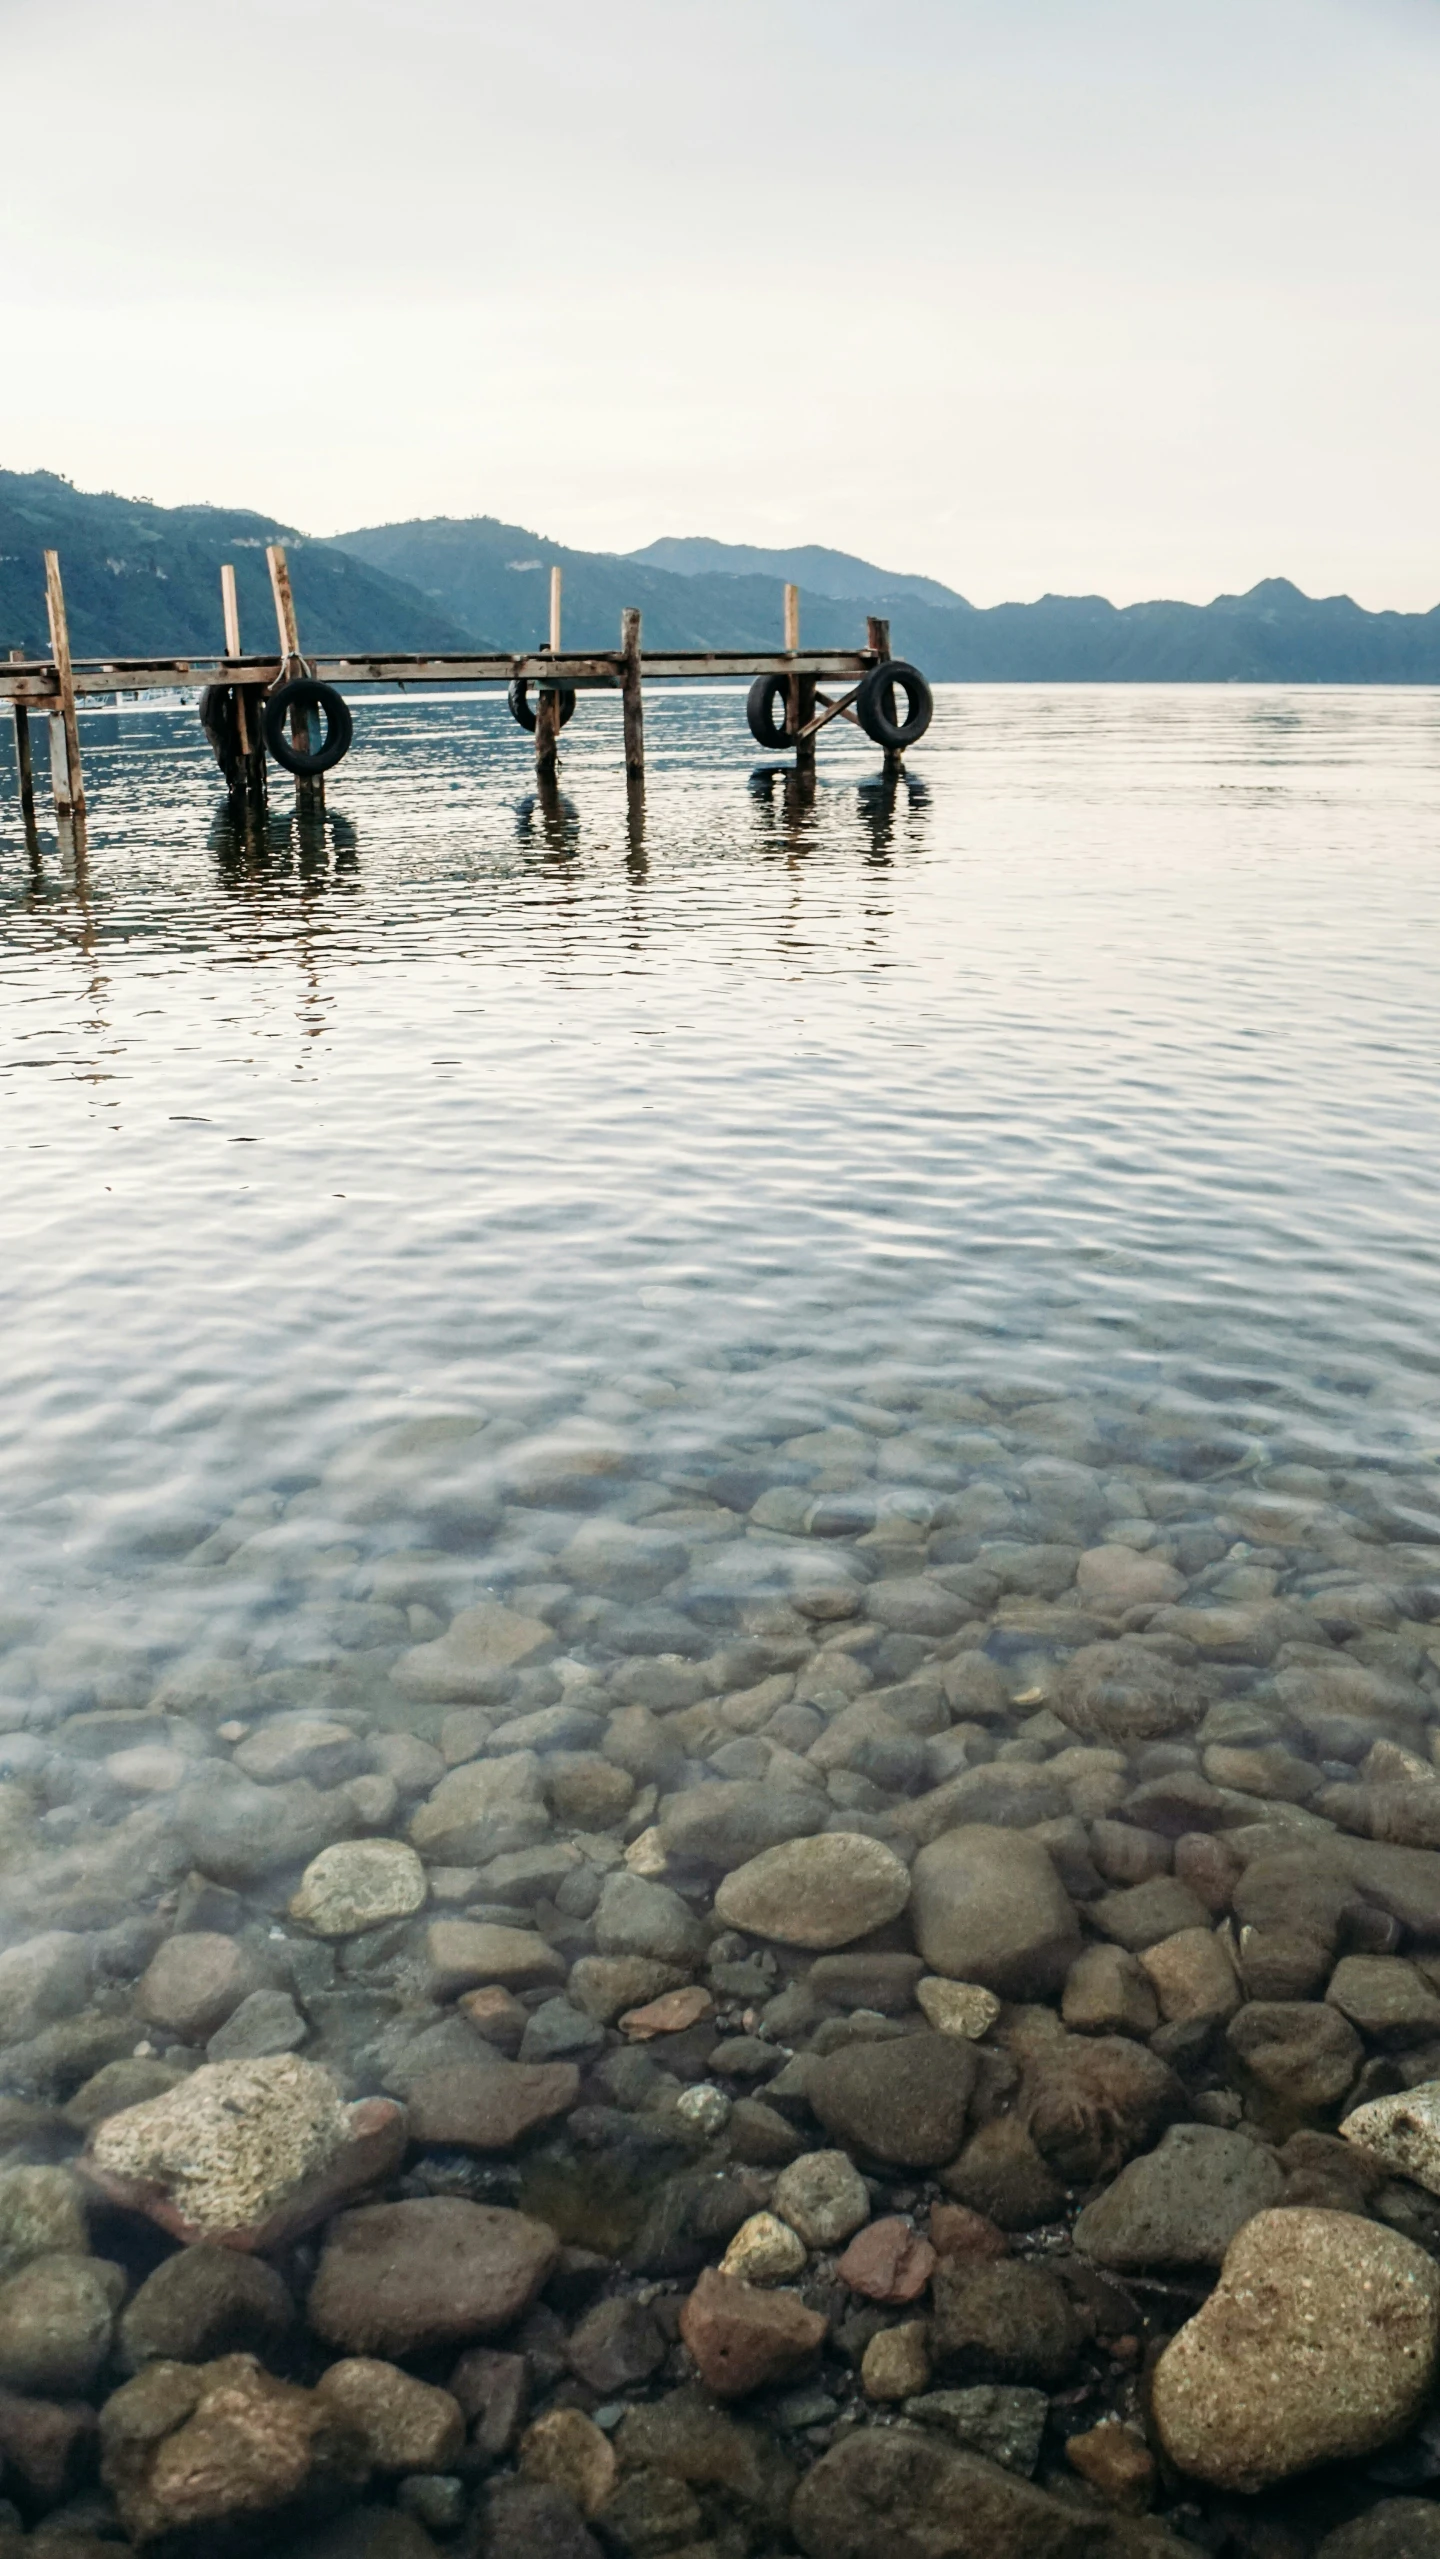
<point x="490" y="2105"/>
<point x="496" y="2014"/>
<point x="956" y="2231"/>
<point x="888" y="2261"/>
<point x="1115" y="2462"/>
<point x="743" y="2339"/>
<point x="668" y="2015"/>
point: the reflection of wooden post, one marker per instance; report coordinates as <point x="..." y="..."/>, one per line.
<point x="64" y="730"/>
<point x="309" y="787"/>
<point x="23" y="764"/>
<point x="630" y="695"/>
<point x="556" y="582"/>
<point x="800" y="706"/>
<point x="247" y="711"/>
<point x="877" y="635"/>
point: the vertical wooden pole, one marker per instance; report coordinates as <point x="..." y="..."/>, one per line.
<point x="309" y="787"/>
<point x="69" y="783"/>
<point x="547" y="732"/>
<point x="556" y="582"/>
<point x="24" y="765"/>
<point x="247" y="705"/>
<point x="877" y="637"/>
<point x="801" y="703"/>
<point x="630" y="695"/>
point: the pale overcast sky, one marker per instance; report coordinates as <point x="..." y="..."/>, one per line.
<point x="1116" y="295"/>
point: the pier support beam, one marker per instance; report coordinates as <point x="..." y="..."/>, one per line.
<point x="250" y="783"/>
<point x="24" y="767"/>
<point x="66" y="776"/>
<point x="800" y="707"/>
<point x="631" y="699"/>
<point x="877" y="633"/>
<point x="309" y="787"/>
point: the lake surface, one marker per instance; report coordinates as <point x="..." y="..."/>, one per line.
<point x="1093" y="1068"/>
<point x="517" y="1311"/>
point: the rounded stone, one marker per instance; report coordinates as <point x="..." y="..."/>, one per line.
<point x="988" y="1907"/>
<point x="56" y="2318"/>
<point x="743" y="2339"/>
<point x="565" y="2449"/>
<point x="819" y="1892"/>
<point x="404" y="2424"/>
<point x="823" y="2196"/>
<point x="397" y="2279"/>
<point x="896" y="2363"/>
<point x="764" y="2250"/>
<point x="194" y="1983"/>
<point x="1318" y="2344"/>
<point x="40" y="2216"/>
<point x="1124" y="1693"/>
<point x="204" y="2302"/>
<point x="903" y="2101"/>
<point x="1398" y="2528"/>
<point x="957" y="2007"/>
<point x="359" y="1884"/>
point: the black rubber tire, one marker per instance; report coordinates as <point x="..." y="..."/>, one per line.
<point x="518" y="697"/>
<point x="875" y="703"/>
<point x="221" y="727"/>
<point x="339" y="726"/>
<point x="767" y="695"/>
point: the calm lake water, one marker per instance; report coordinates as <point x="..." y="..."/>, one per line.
<point x="1092" y="1067"/>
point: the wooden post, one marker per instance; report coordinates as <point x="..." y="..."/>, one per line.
<point x="309" y="787"/>
<point x="800" y="705"/>
<point x="24" y="766"/>
<point x="556" y="582"/>
<point x="547" y="731"/>
<point x="877" y="637"/>
<point x="251" y="781"/>
<point x="630" y="695"/>
<point x="64" y="730"/>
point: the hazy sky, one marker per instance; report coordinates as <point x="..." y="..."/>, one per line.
<point x="1129" y="295"/>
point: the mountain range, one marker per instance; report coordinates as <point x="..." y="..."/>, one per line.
<point x="143" y="579"/>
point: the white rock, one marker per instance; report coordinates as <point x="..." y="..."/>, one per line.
<point x="705" y="2106"/>
<point x="358" y="1884"/>
<point x="1404" y="2131"/>
<point x="957" y="2007"/>
<point x="764" y="2250"/>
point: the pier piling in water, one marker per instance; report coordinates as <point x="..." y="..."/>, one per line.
<point x="66" y="777"/>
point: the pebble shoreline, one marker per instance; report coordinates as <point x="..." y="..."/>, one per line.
<point x="881" y="1995"/>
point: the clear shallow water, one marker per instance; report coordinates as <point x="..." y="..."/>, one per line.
<point x="1085" y="1086"/>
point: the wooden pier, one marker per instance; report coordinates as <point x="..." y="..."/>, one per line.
<point x="243" y="696"/>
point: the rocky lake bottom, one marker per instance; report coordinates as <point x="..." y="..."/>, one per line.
<point x="720" y="1681"/>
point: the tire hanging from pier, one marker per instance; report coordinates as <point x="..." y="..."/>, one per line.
<point x="875" y="703"/>
<point x="305" y="694"/>
<point x="522" y="709"/>
<point x="768" y="695"/>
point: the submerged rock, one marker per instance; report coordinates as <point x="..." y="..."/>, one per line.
<point x="1182" y="2204"/>
<point x="822" y="1891"/>
<point x="190" y="2446"/>
<point x="1318" y="2344"/>
<point x="398" y="2279"/>
<point x="246" y="2152"/>
<point x="887" y="2491"/>
<point x="988" y="1907"/>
